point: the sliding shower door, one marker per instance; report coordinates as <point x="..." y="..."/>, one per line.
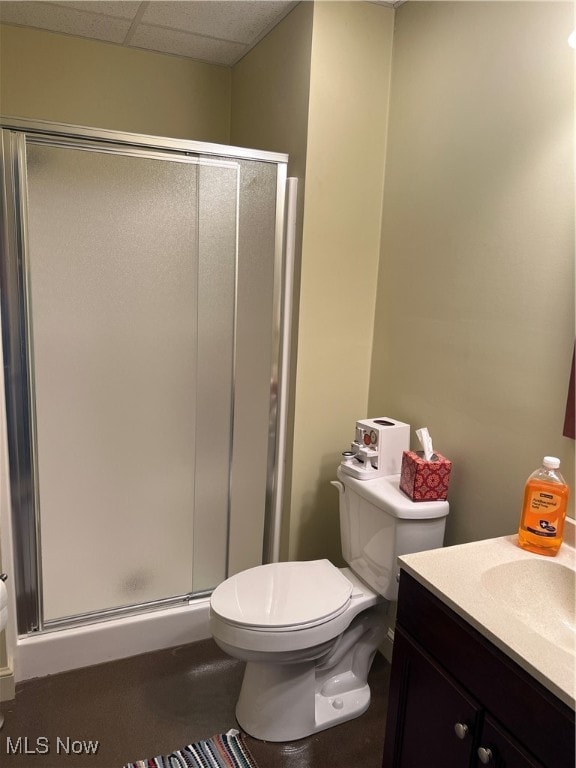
<point x="128" y="315"/>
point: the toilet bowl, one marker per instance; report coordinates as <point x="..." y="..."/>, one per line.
<point x="308" y="631"/>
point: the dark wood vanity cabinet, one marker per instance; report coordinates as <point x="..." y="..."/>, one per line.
<point x="457" y="701"/>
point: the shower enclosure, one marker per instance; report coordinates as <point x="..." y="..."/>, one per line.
<point x="141" y="322"/>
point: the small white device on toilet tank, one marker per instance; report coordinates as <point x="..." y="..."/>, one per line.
<point x="377" y="448"/>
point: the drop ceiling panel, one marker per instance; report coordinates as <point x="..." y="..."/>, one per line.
<point x="241" y="21"/>
<point x="71" y="21"/>
<point x="185" y="44"/>
<point x="124" y="9"/>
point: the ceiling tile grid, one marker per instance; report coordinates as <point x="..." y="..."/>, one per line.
<point x="214" y="31"/>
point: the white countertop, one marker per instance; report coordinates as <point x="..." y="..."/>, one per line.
<point x="504" y="592"/>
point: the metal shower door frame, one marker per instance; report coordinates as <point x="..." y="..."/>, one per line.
<point x="18" y="354"/>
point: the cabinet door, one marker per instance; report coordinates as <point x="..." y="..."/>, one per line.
<point x="431" y="722"/>
<point x="497" y="749"/>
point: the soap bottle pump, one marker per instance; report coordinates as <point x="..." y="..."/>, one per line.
<point x="544" y="509"/>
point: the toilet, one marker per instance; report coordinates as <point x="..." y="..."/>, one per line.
<point x="308" y="631"/>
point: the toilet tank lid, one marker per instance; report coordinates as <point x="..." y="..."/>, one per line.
<point x="385" y="493"/>
<point x="282" y="595"/>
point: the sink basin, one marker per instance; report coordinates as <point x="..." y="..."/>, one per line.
<point x="541" y="594"/>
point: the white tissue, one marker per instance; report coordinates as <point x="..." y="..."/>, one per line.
<point x="426" y="442"/>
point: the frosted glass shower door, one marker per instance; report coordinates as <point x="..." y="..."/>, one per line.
<point x="131" y="299"/>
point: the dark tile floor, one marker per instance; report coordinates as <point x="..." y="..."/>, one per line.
<point x="155" y="703"/>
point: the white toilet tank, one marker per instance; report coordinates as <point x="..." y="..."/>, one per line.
<point x="378" y="522"/>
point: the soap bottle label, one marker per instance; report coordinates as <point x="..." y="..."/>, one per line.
<point x="542" y="517"/>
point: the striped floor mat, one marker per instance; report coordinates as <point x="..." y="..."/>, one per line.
<point x="226" y="750"/>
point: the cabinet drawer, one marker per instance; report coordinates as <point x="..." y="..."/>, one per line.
<point x="509" y="693"/>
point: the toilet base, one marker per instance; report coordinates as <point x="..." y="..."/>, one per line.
<point x="285" y="702"/>
<point x="292" y="714"/>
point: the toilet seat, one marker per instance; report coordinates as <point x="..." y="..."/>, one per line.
<point x="283" y="597"/>
<point x="307" y="639"/>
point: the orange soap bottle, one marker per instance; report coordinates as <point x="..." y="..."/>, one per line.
<point x="544" y="509"/>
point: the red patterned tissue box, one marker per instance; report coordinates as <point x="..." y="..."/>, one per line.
<point x="423" y="480"/>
